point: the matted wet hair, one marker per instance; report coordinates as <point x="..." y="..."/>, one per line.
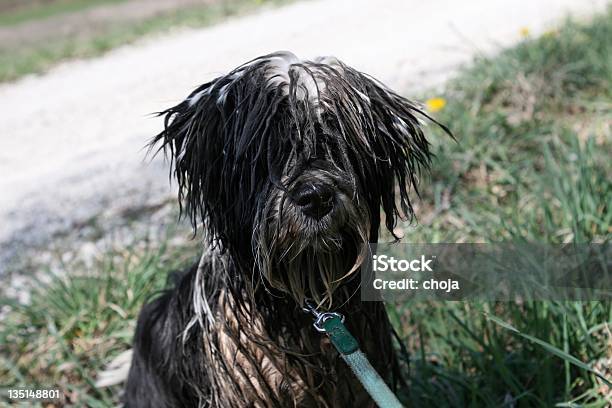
<point x="239" y="141"/>
<point x="286" y="165"/>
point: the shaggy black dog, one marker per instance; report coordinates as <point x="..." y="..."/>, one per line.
<point x="286" y="164"/>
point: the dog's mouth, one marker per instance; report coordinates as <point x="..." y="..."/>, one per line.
<point x="310" y="257"/>
<point x="318" y="270"/>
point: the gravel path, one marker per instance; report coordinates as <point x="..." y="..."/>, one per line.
<point x="71" y="140"/>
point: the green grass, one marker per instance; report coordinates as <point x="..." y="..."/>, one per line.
<point x="531" y="163"/>
<point x="36" y="11"/>
<point x="79" y="320"/>
<point x="532" y="158"/>
<point x="16" y="62"/>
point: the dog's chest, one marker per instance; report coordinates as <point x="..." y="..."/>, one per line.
<point x="255" y="369"/>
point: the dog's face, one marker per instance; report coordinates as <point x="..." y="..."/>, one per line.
<point x="289" y="162"/>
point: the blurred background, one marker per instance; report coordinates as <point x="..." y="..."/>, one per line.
<point x="89" y="224"/>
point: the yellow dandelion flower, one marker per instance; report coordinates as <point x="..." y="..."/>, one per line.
<point x="524" y="32"/>
<point x="435" y="104"/>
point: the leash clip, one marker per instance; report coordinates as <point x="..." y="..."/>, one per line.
<point x="347" y="346"/>
<point x="320" y="317"/>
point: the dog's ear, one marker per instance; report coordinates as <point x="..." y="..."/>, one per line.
<point x="193" y="140"/>
<point x="393" y="149"/>
<point x="222" y="146"/>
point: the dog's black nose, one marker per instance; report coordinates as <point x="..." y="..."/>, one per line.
<point x="315" y="201"/>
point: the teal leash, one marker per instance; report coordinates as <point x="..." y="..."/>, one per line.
<point x="332" y="324"/>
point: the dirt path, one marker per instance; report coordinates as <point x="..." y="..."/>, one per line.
<point x="70" y="141"/>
